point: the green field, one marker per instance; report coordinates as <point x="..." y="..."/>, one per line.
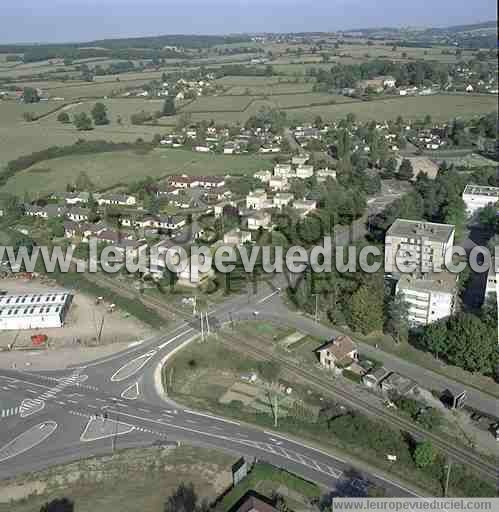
<point x="12" y="111"/>
<point x="280" y="88"/>
<point x="287" y="101"/>
<point x="219" y="104"/>
<point x="440" y="107"/>
<point x="18" y="137"/>
<point x="122" y="167"/>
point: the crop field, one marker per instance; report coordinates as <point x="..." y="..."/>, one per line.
<point x="219" y="104"/>
<point x="248" y="81"/>
<point x="268" y="90"/>
<point x="12" y="111"/>
<point x="115" y="107"/>
<point x="122" y="167"/>
<point x="287" y="101"/>
<point x="18" y="137"/>
<point x="440" y="107"/>
<point x="294" y="69"/>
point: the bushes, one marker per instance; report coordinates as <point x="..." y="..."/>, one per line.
<point x="355" y="377"/>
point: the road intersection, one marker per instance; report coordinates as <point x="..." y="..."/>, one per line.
<point x="117" y="402"/>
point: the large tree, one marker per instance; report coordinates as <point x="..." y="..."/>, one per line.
<point x="424" y="454"/>
<point x="169" y="106"/>
<point x="184" y="499"/>
<point x="405" y="172"/>
<point x="367" y="310"/>
<point x="99" y="114"/>
<point x="30" y="95"/>
<point x="82" y="122"/>
<point x="396" y="323"/>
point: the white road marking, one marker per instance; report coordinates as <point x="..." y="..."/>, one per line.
<point x="211" y="417"/>
<point x="166" y="343"/>
<point x="47" y="426"/>
<point x="140" y="361"/>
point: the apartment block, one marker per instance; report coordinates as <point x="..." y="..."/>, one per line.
<point x="429" y="297"/>
<point x="425" y="243"/>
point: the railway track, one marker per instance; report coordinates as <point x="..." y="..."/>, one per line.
<point x="457" y="453"/>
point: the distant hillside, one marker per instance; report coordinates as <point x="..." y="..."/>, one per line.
<point x="486" y="25"/>
<point x="150" y="43"/>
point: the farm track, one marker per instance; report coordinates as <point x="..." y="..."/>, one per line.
<point x="260" y="352"/>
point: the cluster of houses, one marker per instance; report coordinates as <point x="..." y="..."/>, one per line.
<point x="279" y="179"/>
<point x="341" y="353"/>
<point x="434" y="138"/>
<point x="222" y="140"/>
<point x="305" y="134"/>
<point x="468" y="80"/>
<point x="182" y="89"/>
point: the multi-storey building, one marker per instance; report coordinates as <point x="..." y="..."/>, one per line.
<point x="476" y="197"/>
<point x="429" y="297"/>
<point x="425" y="243"/>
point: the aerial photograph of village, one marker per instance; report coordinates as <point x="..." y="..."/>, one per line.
<point x="249" y="256"/>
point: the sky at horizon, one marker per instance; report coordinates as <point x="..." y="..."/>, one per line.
<point x="84" y="20"/>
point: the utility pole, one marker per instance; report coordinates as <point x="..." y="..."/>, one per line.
<point x="194" y="306"/>
<point x="202" y="327"/>
<point x="276" y="410"/>
<point x="316" y="307"/>
<point x="207" y="323"/>
<point x="449" y="466"/>
<point x="100" y="330"/>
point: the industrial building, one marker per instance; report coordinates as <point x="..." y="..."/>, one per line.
<point x="34" y="310"/>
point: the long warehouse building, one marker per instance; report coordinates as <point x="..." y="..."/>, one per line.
<point x="34" y="310"/>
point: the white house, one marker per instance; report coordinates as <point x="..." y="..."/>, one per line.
<point x="257" y="199"/>
<point x="283" y="171"/>
<point x="304" y="171"/>
<point x="259" y="219"/>
<point x="278" y="183"/>
<point x="211" y="181"/>
<point x="237" y="237"/>
<point x="300" y="159"/>
<point x="305" y="206"/>
<point x="264" y="176"/>
<point x="117" y="200"/>
<point x="323" y="174"/>
<point x="389" y="82"/>
<point x="195" y="272"/>
<point x="339" y="352"/>
<point x="77" y="214"/>
<point x="282" y="199"/>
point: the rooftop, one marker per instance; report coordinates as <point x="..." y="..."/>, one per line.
<point x="417" y="228"/>
<point x="340" y="346"/>
<point x="479" y="190"/>
<point x="429" y="282"/>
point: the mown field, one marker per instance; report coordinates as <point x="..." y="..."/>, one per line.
<point x="123" y="167"/>
<point x="219" y="104"/>
<point x="280" y="88"/>
<point x="18" y="137"/>
<point x="440" y="107"/>
<point x="11" y="112"/>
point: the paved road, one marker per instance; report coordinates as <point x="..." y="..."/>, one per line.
<point x="71" y="398"/>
